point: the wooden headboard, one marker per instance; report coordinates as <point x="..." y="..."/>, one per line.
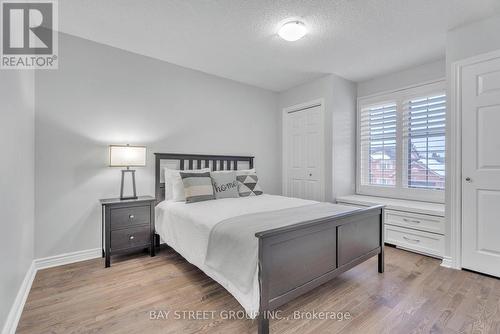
<point x="194" y="161"/>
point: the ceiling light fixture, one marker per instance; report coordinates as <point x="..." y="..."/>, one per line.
<point x="292" y="31"/>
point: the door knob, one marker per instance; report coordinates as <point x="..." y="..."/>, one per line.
<point x="468" y="179"/>
<point x="310" y="174"/>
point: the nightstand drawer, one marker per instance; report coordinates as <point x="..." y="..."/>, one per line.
<point x="131" y="216"/>
<point x="130" y="238"/>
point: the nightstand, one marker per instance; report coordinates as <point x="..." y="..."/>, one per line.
<point x="127" y="226"/>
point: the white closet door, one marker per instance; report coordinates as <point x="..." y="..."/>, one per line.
<point x="481" y="167"/>
<point x="304" y="153"/>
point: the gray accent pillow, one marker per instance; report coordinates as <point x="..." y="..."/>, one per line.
<point x="248" y="184"/>
<point x="225" y="184"/>
<point x="197" y="187"/>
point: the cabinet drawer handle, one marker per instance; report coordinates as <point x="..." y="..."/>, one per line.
<point x="131" y="216"/>
<point x="132" y="237"/>
<point x="411" y="221"/>
<point x="410" y="239"/>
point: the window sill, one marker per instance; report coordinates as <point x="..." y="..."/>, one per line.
<point x="428" y="208"/>
<point x="409" y="194"/>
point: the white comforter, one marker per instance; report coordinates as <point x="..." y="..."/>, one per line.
<point x="186" y="228"/>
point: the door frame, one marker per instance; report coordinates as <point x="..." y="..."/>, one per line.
<point x="284" y="147"/>
<point x="453" y="207"/>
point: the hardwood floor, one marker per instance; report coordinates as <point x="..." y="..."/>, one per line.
<point x="414" y="295"/>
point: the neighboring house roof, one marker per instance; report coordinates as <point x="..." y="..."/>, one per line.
<point x="433" y="165"/>
<point x="380" y="156"/>
<point x="436" y="167"/>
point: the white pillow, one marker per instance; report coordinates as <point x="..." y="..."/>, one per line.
<point x="174" y="188"/>
<point x="238" y="172"/>
<point x="245" y="171"/>
<point x="168" y="184"/>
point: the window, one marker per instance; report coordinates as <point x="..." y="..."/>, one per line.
<point x="379" y="133"/>
<point x="424" y="130"/>
<point x="402" y="144"/>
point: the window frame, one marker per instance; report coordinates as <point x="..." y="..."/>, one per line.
<point x="401" y="190"/>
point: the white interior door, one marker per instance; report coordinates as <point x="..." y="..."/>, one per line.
<point x="481" y="167"/>
<point x="304" y="153"/>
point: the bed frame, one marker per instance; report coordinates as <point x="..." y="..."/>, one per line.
<point x="298" y="258"/>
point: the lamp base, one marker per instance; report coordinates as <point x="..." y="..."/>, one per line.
<point x="134" y="196"/>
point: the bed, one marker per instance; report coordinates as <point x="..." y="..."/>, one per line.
<point x="265" y="250"/>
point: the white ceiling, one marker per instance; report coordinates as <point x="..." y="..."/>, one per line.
<point x="236" y="39"/>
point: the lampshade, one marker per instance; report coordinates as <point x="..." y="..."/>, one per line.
<point x="127" y="156"/>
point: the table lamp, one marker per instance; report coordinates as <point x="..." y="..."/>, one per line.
<point x="127" y="156"/>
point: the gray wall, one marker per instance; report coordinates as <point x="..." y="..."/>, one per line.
<point x="340" y="108"/>
<point x="16" y="183"/>
<point x="344" y="137"/>
<point x="473" y="39"/>
<point x="102" y="95"/>
<point x="412" y="76"/>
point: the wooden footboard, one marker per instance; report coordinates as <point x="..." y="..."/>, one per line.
<point x="298" y="258"/>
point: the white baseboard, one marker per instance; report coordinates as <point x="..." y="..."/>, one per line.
<point x="67" y="258"/>
<point x="38" y="264"/>
<point x="448" y="263"/>
<point x="17" y="308"/>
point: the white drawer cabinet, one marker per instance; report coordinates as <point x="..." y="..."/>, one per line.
<point x="414" y="226"/>
<point x="415" y="221"/>
<point x="415" y="240"/>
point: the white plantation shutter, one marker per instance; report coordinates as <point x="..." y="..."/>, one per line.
<point x="378" y="127"/>
<point x="401" y="138"/>
<point x="424" y="122"/>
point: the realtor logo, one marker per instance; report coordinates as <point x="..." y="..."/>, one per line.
<point x="29" y="39"/>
